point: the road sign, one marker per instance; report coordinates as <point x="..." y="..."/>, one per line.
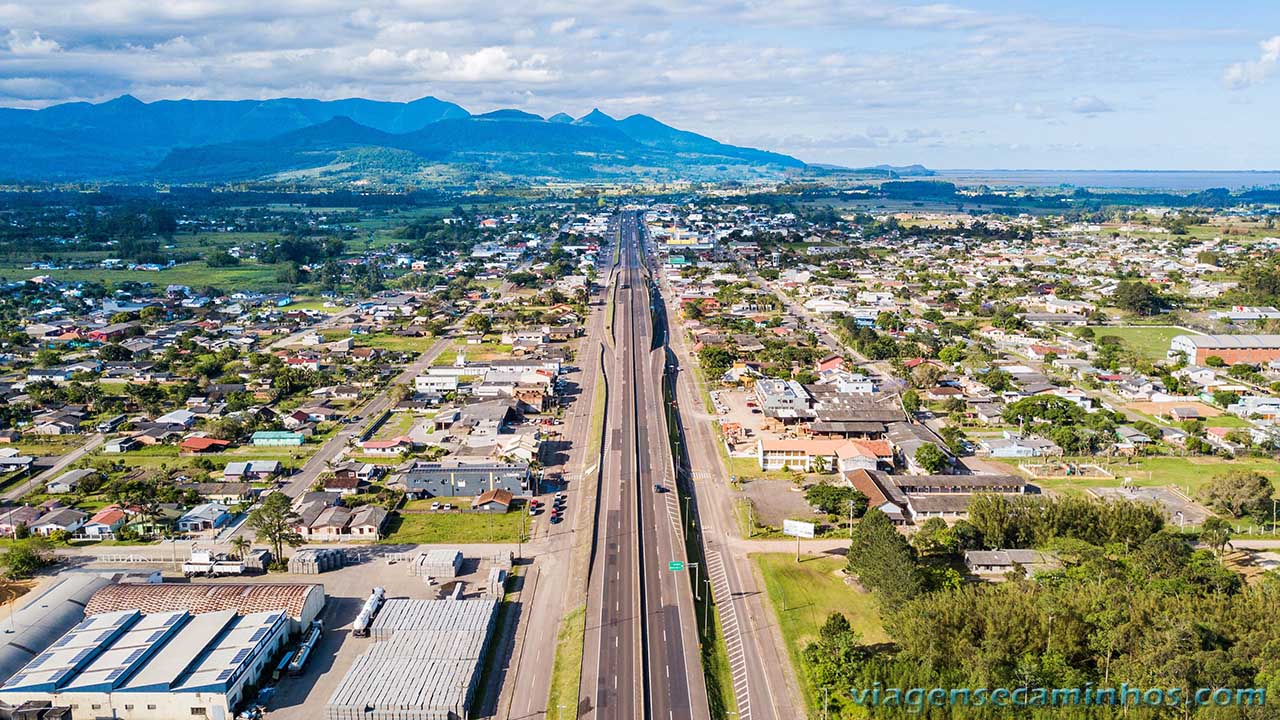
<point x="675" y="566"/>
<point x="797" y="528"/>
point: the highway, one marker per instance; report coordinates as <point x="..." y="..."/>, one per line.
<point x="641" y="658"/>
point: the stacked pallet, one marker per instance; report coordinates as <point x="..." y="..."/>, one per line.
<point x="440" y="563"/>
<point x="425" y="664"/>
<point x="311" y="561"/>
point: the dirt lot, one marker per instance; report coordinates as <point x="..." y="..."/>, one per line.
<point x="736" y="411"/>
<point x="1172" y="502"/>
<point x="776" y="500"/>
<point x="1161" y="409"/>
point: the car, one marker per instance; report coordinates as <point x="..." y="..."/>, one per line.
<point x="447" y="506"/>
<point x="435" y="506"/>
<point x="555" y="519"/>
<point x="535" y="503"/>
<point x="559" y="496"/>
<point x="659" y="488"/>
<point x="533" y="510"/>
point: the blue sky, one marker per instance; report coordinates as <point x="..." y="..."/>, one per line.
<point x="959" y="84"/>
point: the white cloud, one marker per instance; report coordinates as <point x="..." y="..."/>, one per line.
<point x="1252" y="72"/>
<point x="25" y="42"/>
<point x="562" y="26"/>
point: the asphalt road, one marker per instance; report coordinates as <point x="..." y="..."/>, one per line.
<point x="17" y="492"/>
<point x="641" y="654"/>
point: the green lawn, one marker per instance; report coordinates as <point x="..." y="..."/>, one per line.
<point x="802" y="595"/>
<point x="566" y="672"/>
<point x="1149" y="341"/>
<point x="395" y="343"/>
<point x="458" y="527"/>
<point x="246" y="276"/>
<point x="1188" y="473"/>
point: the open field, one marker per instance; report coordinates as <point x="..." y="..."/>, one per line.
<point x="458" y="527"/>
<point x="1187" y="473"/>
<point x="1149" y="341"/>
<point x="246" y="276"/>
<point x="802" y="595"/>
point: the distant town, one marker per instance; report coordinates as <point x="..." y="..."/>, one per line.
<point x="616" y="451"/>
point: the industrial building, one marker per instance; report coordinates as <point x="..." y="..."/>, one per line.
<point x="301" y="602"/>
<point x="152" y="666"/>
<point x="46" y="617"/>
<point x="148" y="650"/>
<point x="425" y="662"/>
<point x="1253" y="349"/>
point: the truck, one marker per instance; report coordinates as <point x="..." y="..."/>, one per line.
<point x="208" y="564"/>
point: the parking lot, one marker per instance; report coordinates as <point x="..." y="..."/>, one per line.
<point x="1173" y="503"/>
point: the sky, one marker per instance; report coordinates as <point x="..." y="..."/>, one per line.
<point x="1081" y="84"/>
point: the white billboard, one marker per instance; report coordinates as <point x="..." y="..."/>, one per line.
<point x="797" y="528"/>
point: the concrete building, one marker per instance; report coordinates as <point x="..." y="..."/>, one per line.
<point x="1254" y="349"/>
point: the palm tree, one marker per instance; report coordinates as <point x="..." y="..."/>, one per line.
<point x="240" y="546"/>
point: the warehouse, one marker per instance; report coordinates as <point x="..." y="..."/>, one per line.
<point x="153" y="666"/>
<point x="45" y="618"/>
<point x="1253" y="349"/>
<point x="301" y="602"/>
<point x="425" y="662"/>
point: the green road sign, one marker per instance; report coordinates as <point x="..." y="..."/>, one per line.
<point x="675" y="566"/>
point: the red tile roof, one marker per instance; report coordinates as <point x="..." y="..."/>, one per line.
<point x="202" y="598"/>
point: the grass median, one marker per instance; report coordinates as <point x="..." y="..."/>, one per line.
<point x="566" y="672"/>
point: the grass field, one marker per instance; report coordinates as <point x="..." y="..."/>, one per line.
<point x="246" y="276"/>
<point x="1188" y="473"/>
<point x="457" y="527"/>
<point x="1149" y="341"/>
<point x="566" y="672"/>
<point x="802" y="595"/>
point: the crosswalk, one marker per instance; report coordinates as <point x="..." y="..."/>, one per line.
<point x="721" y="592"/>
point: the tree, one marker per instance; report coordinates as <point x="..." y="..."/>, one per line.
<point x="1138" y="298"/>
<point x="911" y="401"/>
<point x="1240" y="493"/>
<point x="24" y="558"/>
<point x="478" y="323"/>
<point x="883" y="560"/>
<point x="835" y="500"/>
<point x="935" y="538"/>
<point x="274" y="522"/>
<point x="929" y="457"/>
<point x="1216" y="533"/>
<point x="240" y="546"/>
<point x="1215" y="361"/>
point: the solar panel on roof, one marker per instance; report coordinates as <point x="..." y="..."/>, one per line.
<point x="225" y="674"/>
<point x="115" y="674"/>
<point x="39" y="660"/>
<point x="133" y="656"/>
<point x="15" y="680"/>
<point x="82" y="655"/>
<point x="240" y="656"/>
<point x="156" y="635"/>
<point x="259" y="633"/>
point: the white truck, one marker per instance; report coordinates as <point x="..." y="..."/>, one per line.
<point x="207" y="564"/>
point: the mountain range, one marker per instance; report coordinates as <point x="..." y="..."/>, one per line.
<point x="424" y="140"/>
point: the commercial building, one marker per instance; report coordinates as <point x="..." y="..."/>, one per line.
<point x="458" y="479"/>
<point x="424" y="663"/>
<point x="1254" y="349"/>
<point x="157" y="666"/>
